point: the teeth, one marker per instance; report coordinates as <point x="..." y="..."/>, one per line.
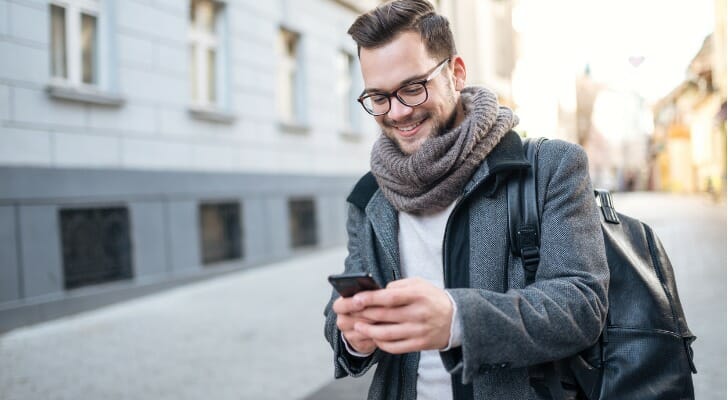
<point x="409" y="128"/>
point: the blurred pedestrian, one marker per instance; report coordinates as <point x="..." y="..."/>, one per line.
<point x="430" y="223"/>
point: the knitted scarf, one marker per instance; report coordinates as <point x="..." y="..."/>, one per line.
<point x="434" y="175"/>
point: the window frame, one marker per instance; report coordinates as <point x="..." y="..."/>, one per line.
<point x="287" y="74"/>
<point x="74" y="9"/>
<point x="296" y="121"/>
<point x="199" y="43"/>
<point x="349" y="122"/>
<point x="104" y="90"/>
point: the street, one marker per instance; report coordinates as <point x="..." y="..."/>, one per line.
<point x="258" y="334"/>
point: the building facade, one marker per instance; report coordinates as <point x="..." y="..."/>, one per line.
<point x="689" y="145"/>
<point x="144" y="143"/>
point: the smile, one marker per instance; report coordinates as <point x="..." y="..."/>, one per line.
<point x="409" y="128"/>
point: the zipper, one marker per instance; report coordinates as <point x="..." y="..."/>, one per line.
<point x="658" y="271"/>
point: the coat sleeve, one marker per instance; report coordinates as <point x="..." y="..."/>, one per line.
<point x="564" y="310"/>
<point x="345" y="363"/>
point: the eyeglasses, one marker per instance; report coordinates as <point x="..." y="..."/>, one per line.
<point x="412" y="94"/>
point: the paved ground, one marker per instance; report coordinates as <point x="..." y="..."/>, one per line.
<point x="251" y="335"/>
<point x="257" y="334"/>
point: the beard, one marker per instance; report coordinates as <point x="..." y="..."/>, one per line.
<point x="439" y="127"/>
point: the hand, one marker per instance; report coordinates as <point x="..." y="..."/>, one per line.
<point x="345" y="321"/>
<point x="409" y="315"/>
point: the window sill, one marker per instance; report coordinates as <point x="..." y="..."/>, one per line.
<point x="212" y="114"/>
<point x="295" y="128"/>
<point x="84" y="95"/>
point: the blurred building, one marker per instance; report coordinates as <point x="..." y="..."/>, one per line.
<point x="617" y="144"/>
<point x="486" y="40"/>
<point x="145" y="143"/>
<point x="689" y="144"/>
<point x="542" y="79"/>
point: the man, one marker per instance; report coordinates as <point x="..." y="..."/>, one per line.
<point x="455" y="320"/>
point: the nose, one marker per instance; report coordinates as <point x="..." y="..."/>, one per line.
<point x="398" y="111"/>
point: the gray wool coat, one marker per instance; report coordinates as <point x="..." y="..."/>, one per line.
<point x="506" y="326"/>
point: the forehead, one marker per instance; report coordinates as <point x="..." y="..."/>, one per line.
<point x="387" y="66"/>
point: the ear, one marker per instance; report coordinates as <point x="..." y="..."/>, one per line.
<point x="459" y="72"/>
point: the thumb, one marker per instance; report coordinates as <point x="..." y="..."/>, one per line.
<point x="402" y="283"/>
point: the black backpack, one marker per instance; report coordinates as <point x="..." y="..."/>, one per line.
<point x="644" y="351"/>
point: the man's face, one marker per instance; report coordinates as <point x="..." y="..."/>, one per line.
<point x="403" y="60"/>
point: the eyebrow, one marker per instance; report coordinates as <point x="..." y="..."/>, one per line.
<point x="401" y="83"/>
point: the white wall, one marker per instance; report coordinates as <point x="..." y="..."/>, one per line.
<point x="153" y="129"/>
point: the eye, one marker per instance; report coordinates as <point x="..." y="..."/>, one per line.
<point x="411" y="90"/>
<point x="378" y="99"/>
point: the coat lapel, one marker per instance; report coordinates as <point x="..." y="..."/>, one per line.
<point x="385" y="223"/>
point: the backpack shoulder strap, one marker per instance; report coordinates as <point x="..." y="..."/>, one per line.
<point x="524" y="225"/>
<point x="523" y="212"/>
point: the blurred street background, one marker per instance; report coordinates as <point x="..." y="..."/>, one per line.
<point x="173" y="175"/>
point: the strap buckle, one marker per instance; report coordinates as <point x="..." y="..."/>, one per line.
<point x="530" y="257"/>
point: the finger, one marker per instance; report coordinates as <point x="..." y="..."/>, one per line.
<point x="363" y="346"/>
<point x="386" y="297"/>
<point x="400" y="283"/>
<point x="382" y="314"/>
<point x="402" y="346"/>
<point x="346" y="322"/>
<point x="346" y="306"/>
<point x="357" y="339"/>
<point x="389" y="332"/>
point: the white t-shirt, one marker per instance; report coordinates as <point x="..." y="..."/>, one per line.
<point x="420" y="247"/>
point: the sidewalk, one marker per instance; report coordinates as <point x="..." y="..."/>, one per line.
<point x="255" y="334"/>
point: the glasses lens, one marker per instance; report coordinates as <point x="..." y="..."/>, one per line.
<point x="376" y="103"/>
<point x="413" y="94"/>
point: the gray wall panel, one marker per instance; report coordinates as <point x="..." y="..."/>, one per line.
<point x="183" y="220"/>
<point x="255" y="230"/>
<point x="278" y="231"/>
<point x="148" y="237"/>
<point x="40" y="245"/>
<point x="325" y="218"/>
<point x="9" y="273"/>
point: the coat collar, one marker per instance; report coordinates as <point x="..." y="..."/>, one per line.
<point x="384" y="220"/>
<point x="506" y="158"/>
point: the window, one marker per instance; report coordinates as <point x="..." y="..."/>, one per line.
<point x="302" y="221"/>
<point x="74" y="42"/>
<point x="288" y="77"/>
<point x="346" y="97"/>
<point x="220" y="232"/>
<point x="207" y="54"/>
<point x="96" y="246"/>
<point x="82" y="60"/>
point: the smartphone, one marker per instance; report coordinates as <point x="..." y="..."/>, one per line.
<point x="352" y="283"/>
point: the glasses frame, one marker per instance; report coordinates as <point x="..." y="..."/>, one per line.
<point x="432" y="75"/>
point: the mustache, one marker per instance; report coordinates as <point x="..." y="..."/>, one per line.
<point x="393" y="124"/>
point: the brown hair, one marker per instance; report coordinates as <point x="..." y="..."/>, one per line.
<point x="380" y="26"/>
